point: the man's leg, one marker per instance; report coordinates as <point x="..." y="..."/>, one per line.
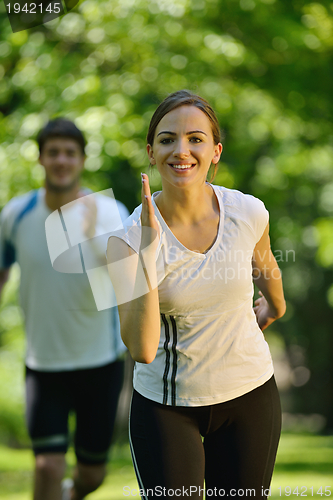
<point x="47" y="407"/>
<point x="87" y="478"/>
<point x="96" y="393"/>
<point x="49" y="471"/>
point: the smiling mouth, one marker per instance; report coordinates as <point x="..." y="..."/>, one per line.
<point x="61" y="171"/>
<point x="184" y="166"/>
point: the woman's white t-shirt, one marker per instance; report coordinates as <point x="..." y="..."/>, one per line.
<point x="211" y="348"/>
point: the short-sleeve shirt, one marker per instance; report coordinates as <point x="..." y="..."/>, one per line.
<point x="211" y="348"/>
<point x="65" y="331"/>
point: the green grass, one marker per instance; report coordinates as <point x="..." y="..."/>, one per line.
<point x="303" y="461"/>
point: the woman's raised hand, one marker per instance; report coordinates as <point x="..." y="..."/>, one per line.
<point x="150" y="229"/>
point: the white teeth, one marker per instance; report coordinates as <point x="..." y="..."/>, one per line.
<point x="182" y="167"/>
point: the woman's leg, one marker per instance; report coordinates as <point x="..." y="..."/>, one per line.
<point x="242" y="442"/>
<point x="167" y="449"/>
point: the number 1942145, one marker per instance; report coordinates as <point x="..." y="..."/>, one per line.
<point x="304" y="491"/>
<point x="34" y="8"/>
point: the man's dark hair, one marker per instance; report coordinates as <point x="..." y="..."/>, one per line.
<point x="60" y="127"/>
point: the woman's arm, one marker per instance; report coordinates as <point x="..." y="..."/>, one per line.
<point x="134" y="280"/>
<point x="267" y="276"/>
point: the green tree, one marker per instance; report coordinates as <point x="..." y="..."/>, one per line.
<point x="266" y="67"/>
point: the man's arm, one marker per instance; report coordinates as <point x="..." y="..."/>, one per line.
<point x="4" y="276"/>
<point x="97" y="215"/>
<point x="267" y="276"/>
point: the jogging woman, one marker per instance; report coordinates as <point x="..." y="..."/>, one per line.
<point x="205" y="407"/>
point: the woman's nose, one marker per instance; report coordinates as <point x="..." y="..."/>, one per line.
<point x="181" y="149"/>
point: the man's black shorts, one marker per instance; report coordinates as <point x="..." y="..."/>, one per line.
<point x="92" y="394"/>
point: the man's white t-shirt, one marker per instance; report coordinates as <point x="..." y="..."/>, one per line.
<point x="211" y="348"/>
<point x="65" y="331"/>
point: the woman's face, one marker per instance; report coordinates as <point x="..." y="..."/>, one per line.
<point x="184" y="148"/>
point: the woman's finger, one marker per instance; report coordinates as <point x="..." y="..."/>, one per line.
<point x="145" y="188"/>
<point x="148" y="212"/>
<point x="145" y="194"/>
<point x="258" y="301"/>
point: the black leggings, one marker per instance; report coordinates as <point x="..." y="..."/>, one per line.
<point x="91" y="393"/>
<point x="231" y="446"/>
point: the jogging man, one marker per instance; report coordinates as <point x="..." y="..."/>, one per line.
<point x="73" y="358"/>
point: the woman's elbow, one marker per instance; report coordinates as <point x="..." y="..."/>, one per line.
<point x="145" y="357"/>
<point x="146" y="360"/>
<point x="140" y="354"/>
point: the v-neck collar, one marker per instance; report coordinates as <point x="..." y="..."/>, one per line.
<point x="166" y="228"/>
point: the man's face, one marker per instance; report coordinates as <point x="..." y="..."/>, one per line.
<point x="63" y="162"/>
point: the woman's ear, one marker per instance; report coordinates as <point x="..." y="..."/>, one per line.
<point x="151" y="154"/>
<point x="217" y="153"/>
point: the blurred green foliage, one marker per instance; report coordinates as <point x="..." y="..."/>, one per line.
<point x="266" y="67"/>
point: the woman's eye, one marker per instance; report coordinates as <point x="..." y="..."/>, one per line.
<point x="166" y="141"/>
<point x="195" y="139"/>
